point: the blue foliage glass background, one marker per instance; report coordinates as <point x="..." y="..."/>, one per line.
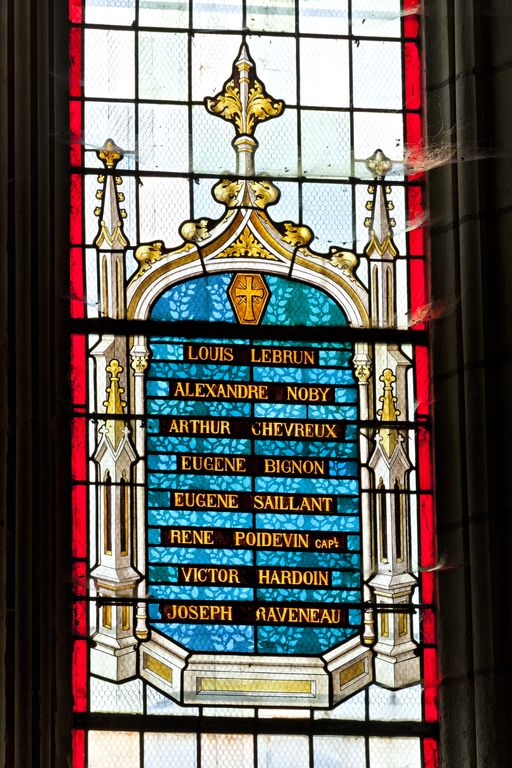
<point x="291" y="303"/>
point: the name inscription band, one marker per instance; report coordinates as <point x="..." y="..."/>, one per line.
<point x="270" y="393"/>
<point x="275" y="502"/>
<point x="263" y="429"/>
<point x="251" y="465"/>
<point x="243" y="355"/>
<point x="305" y="614"/>
<point x="233" y="538"/>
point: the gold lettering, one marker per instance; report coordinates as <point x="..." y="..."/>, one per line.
<point x="196" y="575"/>
<point x="203" y="500"/>
<point x="293" y="577"/>
<point x="200" y="612"/>
<point x="207" y="353"/>
<point x="219" y="390"/>
<point x="280" y="356"/>
<point x="271" y="539"/>
<point x="307" y="394"/>
<point x="281" y="503"/>
<point x="195" y="537"/>
<point x="198" y="463"/>
<point x="198" y="427"/>
<point x="297" y="615"/>
<point x="278" y="466"/>
<point x="319" y="430"/>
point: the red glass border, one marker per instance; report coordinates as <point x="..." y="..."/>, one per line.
<point x="78" y="748"/>
<point x="76" y="11"/>
<point x="75" y="132"/>
<point x="75" y="61"/>
<point x="411" y="18"/>
<point x="79" y="675"/>
<point x="430" y="753"/>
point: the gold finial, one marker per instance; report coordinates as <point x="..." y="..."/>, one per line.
<point x="114" y="404"/>
<point x="110" y="154"/>
<point x="388" y="412"/>
<point x="243" y="101"/>
<point x="378" y="164"/>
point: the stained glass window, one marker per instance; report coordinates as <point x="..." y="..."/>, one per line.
<point x="252" y="509"/>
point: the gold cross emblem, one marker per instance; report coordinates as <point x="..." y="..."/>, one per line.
<point x="249" y="294"/>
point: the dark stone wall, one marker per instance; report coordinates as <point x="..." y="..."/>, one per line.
<point x="34" y="530"/>
<point x="469" y="106"/>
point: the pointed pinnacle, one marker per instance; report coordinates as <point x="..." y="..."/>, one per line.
<point x="244" y="57"/>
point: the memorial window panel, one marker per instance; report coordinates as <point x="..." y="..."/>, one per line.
<point x="252" y="502"/>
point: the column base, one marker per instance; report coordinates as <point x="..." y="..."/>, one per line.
<point x="116" y="665"/>
<point x="397" y="671"/>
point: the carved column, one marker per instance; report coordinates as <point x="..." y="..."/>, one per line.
<point x="363" y="369"/>
<point x="114" y="576"/>
<point x="396" y="662"/>
<point x="139" y="357"/>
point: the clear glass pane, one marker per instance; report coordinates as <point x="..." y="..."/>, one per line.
<point x="204" y="204"/>
<point x="391" y="753"/>
<point x="403" y="704"/>
<point x="159" y="704"/>
<point x="164" y="13"/>
<point x="163" y="137"/>
<point x="377" y="73"/>
<point x="339" y="752"/>
<point x="166" y="750"/>
<point x="354" y="708"/>
<point x="226" y="750"/>
<point x="283" y="751"/>
<point x="212" y="63"/>
<point x="104" y="120"/>
<point x="325" y="143"/>
<point x="164" y="205"/>
<point x="217" y="155"/>
<point x="400" y="233"/>
<point x="328" y="17"/>
<point x="378" y="130"/>
<point x="163" y="66"/>
<point x="287" y="207"/>
<point x="91" y="282"/>
<point x="224" y="14"/>
<point x="122" y="748"/>
<point x="272" y="16"/>
<point x="327" y="209"/>
<point x="324" y="73"/>
<point x="277" y="151"/>
<point x="112" y="697"/>
<point x="109" y="64"/>
<point x="380" y="19"/>
<point x="275" y="59"/>
<point x="109" y="11"/>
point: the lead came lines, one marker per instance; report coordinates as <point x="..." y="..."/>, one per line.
<point x="295" y="566"/>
